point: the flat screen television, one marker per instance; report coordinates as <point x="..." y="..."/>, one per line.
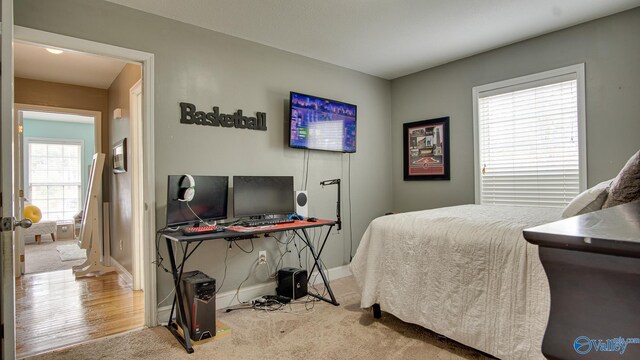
<point x="321" y="124"/>
<point x="209" y="202"/>
<point x="262" y="195"/>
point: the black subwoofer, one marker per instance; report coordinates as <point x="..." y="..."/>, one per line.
<point x="292" y="282"/>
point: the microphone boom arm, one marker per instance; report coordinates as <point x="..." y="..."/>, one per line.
<point x="335" y="182"/>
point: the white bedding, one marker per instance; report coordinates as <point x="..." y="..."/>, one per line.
<point x="464" y="272"/>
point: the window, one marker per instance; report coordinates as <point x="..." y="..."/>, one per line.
<point x="529" y="139"/>
<point x="54" y="175"/>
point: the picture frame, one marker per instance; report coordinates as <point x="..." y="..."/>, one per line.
<point x="426" y="149"/>
<point x="120" y="156"/>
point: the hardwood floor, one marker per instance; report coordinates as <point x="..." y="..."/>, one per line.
<point x="54" y="310"/>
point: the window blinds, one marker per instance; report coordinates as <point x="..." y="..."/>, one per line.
<point x="55" y="177"/>
<point x="528" y="143"/>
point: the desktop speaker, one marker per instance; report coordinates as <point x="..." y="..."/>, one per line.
<point x="302" y="203"/>
<point x="198" y="293"/>
<point x="292" y="282"/>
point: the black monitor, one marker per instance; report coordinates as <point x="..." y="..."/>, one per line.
<point x="209" y="201"/>
<point x="262" y="195"/>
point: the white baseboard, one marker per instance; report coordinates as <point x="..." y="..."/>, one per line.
<point x="228" y="298"/>
<point x="122" y="271"/>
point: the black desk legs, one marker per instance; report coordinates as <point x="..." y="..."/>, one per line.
<point x="318" y="263"/>
<point x="184" y="340"/>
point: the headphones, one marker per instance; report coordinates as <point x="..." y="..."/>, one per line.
<point x="187" y="188"/>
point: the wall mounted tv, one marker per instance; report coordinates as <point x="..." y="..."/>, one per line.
<point x="321" y="124"/>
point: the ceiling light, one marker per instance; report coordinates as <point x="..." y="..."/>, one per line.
<point x="54" y="51"/>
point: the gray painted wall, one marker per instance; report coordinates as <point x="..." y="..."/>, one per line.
<point x="120" y="184"/>
<point x="212" y="69"/>
<point x="610" y="49"/>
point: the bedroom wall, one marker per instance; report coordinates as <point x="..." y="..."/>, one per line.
<point x="120" y="184"/>
<point x="610" y="49"/>
<point x="211" y="69"/>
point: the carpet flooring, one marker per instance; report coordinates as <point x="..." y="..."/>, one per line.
<point x="325" y="332"/>
<point x="44" y="257"/>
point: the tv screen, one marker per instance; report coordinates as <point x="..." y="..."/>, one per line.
<point x="209" y="201"/>
<point x="262" y="195"/>
<point x="321" y="124"/>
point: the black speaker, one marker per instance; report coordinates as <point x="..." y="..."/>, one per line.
<point x="292" y="282"/>
<point x="199" y="299"/>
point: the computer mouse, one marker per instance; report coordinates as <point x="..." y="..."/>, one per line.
<point x="312" y="219"/>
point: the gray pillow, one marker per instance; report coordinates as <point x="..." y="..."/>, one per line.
<point x="589" y="200"/>
<point x="626" y="186"/>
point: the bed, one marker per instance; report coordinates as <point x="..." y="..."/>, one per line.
<point x="464" y="272"/>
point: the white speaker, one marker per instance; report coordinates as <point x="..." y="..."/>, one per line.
<point x="302" y="203"/>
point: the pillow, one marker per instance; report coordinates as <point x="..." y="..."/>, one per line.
<point x="588" y="201"/>
<point x="626" y="186"/>
<point x="32" y="213"/>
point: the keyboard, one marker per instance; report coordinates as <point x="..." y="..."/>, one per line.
<point x="199" y="230"/>
<point x="263" y="222"/>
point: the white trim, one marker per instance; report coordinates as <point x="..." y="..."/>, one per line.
<point x="28" y="35"/>
<point x="7" y="264"/>
<point x="224" y="300"/>
<point x="137" y="233"/>
<point x="122" y="271"/>
<point x="476" y="144"/>
<point x="478" y="92"/>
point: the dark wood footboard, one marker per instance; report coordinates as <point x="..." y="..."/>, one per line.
<point x="377" y="313"/>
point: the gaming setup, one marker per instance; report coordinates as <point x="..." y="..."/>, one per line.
<point x="196" y="203"/>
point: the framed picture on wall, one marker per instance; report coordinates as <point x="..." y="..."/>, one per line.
<point x="426" y="149"/>
<point x="120" y="156"/>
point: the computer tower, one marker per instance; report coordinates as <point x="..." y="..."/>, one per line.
<point x="198" y="293"/>
<point x="292" y="282"/>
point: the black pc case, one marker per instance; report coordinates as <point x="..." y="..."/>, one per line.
<point x="292" y="282"/>
<point x="199" y="299"/>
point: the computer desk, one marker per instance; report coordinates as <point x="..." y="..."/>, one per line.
<point x="299" y="228"/>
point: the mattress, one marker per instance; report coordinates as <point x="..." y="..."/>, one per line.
<point x="464" y="272"/>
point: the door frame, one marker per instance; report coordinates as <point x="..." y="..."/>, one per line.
<point x="145" y="59"/>
<point x="135" y="122"/>
<point x="7" y="267"/>
<point x="19" y="156"/>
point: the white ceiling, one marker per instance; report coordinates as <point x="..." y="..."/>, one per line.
<point x="51" y="116"/>
<point x="75" y="68"/>
<point x="385" y="38"/>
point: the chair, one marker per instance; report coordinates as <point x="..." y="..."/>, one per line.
<point x="42" y="227"/>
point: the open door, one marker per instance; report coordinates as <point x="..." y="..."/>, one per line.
<point x="7" y="294"/>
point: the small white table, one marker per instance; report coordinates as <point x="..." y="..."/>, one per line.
<point x="42" y="227"/>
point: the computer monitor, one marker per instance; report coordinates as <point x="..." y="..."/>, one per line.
<point x="262" y="195"/>
<point x="209" y="202"/>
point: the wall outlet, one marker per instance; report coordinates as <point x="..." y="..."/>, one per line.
<point x="262" y="257"/>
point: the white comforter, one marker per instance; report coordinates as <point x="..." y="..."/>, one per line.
<point x="464" y="272"/>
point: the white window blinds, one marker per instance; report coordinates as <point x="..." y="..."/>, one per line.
<point x="528" y="141"/>
<point x="55" y="177"/>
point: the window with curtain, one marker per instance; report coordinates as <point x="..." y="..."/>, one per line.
<point x="54" y="174"/>
<point x="529" y="135"/>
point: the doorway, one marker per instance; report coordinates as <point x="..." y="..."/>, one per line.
<point x="68" y="299"/>
<point x="55" y="150"/>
